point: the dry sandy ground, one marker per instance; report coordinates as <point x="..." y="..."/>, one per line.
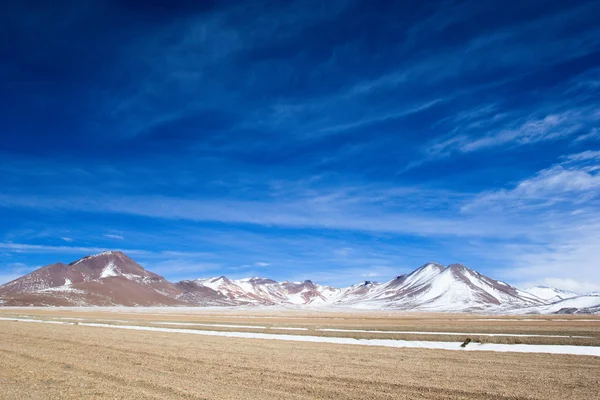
<point x="314" y="321"/>
<point x="70" y="361"/>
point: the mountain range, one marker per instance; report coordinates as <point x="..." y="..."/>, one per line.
<point x="113" y="279"/>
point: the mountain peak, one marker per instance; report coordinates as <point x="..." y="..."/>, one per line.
<point x="457" y="266"/>
<point x="104" y="279"/>
<point x="103" y="254"/>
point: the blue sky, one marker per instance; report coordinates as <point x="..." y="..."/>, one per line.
<point x="336" y="141"/>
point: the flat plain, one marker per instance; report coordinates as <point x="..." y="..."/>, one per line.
<point x="63" y="358"/>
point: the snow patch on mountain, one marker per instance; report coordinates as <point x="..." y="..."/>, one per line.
<point x="550" y="294"/>
<point x="109" y="270"/>
<point x="64" y="288"/>
<point x="575" y="305"/>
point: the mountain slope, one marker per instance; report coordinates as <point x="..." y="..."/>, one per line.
<point x="434" y="287"/>
<point x="108" y="278"/>
<point x="550" y="294"/>
<point x="574" y="305"/>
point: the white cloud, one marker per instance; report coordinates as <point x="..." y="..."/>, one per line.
<point x="591" y="135"/>
<point x="524" y="130"/>
<point x="357" y="209"/>
<point x="570" y="183"/>
<point x="569" y="260"/>
<point x="111" y="236"/>
<point x="261" y="264"/>
<point x="560" y="206"/>
<point x="550" y="127"/>
<point x="583" y="156"/>
<point x="577" y="286"/>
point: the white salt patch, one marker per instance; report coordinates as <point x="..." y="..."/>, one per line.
<point x="452" y="333"/>
<point x="502" y="319"/>
<point x="455" y="346"/>
<point x="288" y="329"/>
<point x="213" y="325"/>
<point x="36" y="320"/>
<point x="68" y="318"/>
<point x="577" y="320"/>
<point x="112" y="320"/>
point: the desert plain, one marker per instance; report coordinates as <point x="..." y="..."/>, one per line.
<point x="101" y="353"/>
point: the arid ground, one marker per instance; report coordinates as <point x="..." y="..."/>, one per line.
<point x="70" y="360"/>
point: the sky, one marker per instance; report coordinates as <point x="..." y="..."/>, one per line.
<point x="336" y="141"/>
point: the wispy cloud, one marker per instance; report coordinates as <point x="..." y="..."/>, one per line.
<point x="338" y="211"/>
<point x="526" y="131"/>
<point x="36" y="248"/>
<point x="570" y="183"/>
<point x="112" y="236"/>
<point x="561" y="204"/>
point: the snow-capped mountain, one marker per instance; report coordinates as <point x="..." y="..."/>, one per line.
<point x="112" y="278"/>
<point x="108" y="278"/>
<point x="432" y="287"/>
<point x="550" y="294"/>
<point x="264" y="291"/>
<point x="245" y="291"/>
<point x="574" y="305"/>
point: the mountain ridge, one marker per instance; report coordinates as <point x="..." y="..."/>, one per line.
<point x="112" y="278"/>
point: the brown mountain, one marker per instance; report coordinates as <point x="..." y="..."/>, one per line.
<point x="106" y="279"/>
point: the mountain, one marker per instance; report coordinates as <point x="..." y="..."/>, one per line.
<point x="549" y="294"/>
<point x="434" y="287"/>
<point x="574" y="305"/>
<point x="257" y="291"/>
<point x="195" y="294"/>
<point x="112" y="278"/>
<point x="105" y="279"/>
<point x="593" y="294"/>
<point x="262" y="291"/>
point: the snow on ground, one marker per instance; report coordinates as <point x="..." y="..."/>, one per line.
<point x="285" y="328"/>
<point x="453" y="333"/>
<point x="412" y="344"/>
<point x="229" y="326"/>
<point x="213" y="325"/>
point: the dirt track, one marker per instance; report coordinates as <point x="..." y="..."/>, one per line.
<point x="70" y="361"/>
